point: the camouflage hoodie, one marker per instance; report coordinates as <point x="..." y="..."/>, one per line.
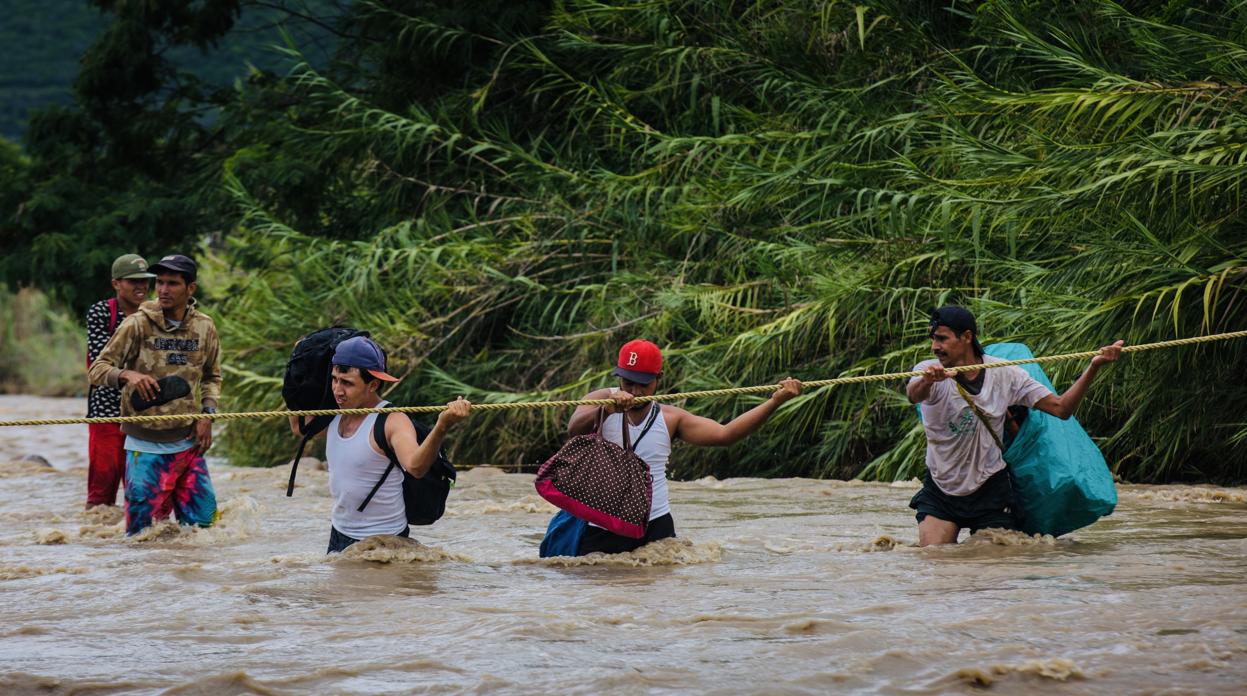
<point x="145" y="343"/>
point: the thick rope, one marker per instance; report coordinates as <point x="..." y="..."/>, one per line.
<point x="520" y="405"/>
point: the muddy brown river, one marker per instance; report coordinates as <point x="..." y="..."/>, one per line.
<point x="788" y="586"/>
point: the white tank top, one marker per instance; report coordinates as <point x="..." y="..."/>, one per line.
<point x="654" y="449"/>
<point x="354" y="468"/>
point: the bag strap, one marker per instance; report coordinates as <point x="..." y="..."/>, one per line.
<point x="625" y="426"/>
<point x="378" y="434"/>
<point x="978" y="412"/>
<point x="294" y="463"/>
<point x="655" y="409"/>
<point x="310" y="429"/>
<point x="112" y="315"/>
<point x="626" y="430"/>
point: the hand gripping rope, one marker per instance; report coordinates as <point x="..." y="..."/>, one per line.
<point x="758" y="389"/>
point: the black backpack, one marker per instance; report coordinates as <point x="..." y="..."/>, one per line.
<point x="424" y="497"/>
<point x="306" y="386"/>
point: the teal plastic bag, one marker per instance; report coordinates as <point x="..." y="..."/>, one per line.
<point x="1059" y="475"/>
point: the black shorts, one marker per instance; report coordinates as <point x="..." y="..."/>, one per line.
<point x="991" y="506"/>
<point x="339" y="542"/>
<point x="598" y="539"/>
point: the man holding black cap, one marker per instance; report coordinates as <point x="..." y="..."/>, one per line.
<point x="356" y="461"/>
<point x="967" y="483"/>
<point x="652" y="428"/>
<point x="160" y="357"/>
<point x="106" y="451"/>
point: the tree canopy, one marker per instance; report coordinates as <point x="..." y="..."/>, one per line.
<point x="503" y="193"/>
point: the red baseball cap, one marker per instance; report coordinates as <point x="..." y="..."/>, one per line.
<point x="639" y="361"/>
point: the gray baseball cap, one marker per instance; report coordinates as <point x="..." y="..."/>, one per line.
<point x="131" y="266"/>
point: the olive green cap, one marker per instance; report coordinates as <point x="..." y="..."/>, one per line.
<point x="131" y="266"/>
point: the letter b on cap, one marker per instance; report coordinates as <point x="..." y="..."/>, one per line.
<point x="632" y="359"/>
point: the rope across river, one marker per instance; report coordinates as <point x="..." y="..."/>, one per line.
<point x="522" y="405"/>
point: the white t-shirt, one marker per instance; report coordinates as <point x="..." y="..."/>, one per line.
<point x="354" y="468"/>
<point x="961" y="454"/>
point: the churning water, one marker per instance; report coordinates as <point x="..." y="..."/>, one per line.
<point x="775" y="586"/>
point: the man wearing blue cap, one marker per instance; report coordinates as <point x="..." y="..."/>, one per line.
<point x="357" y="462"/>
<point x="967" y="483"/>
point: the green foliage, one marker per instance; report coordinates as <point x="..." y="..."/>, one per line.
<point x="504" y="194"/>
<point x="42" y="347"/>
<point x="45" y="42"/>
<point x="42" y="43"/>
<point x="121" y="169"/>
<point x="764" y="190"/>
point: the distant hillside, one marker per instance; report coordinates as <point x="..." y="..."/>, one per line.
<point x="45" y="40"/>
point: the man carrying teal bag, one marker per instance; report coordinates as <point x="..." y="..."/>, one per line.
<point x="968" y="483"/>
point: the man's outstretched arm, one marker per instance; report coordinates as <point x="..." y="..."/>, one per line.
<point x="1063" y="406"/>
<point x="697" y="430"/>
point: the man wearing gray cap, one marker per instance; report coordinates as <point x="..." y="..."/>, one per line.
<point x="106" y="453"/>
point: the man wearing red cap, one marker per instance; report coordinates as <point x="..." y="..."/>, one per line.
<point x="652" y="428"/>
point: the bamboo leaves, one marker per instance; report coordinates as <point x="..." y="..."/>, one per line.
<point x="758" y="192"/>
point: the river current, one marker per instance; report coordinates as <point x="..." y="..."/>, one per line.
<point x="780" y="586"/>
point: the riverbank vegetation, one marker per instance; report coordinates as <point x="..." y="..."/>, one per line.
<point x="41" y="346"/>
<point x="504" y="194"/>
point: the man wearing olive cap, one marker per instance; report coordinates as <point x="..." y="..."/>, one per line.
<point x="106" y="451"/>
<point x="967" y="483"/>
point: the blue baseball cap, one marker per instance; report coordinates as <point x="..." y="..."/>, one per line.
<point x="363" y="353"/>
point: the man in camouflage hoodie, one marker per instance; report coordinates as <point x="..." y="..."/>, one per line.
<point x="165" y="468"/>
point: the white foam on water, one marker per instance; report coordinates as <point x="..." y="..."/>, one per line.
<point x="664" y="552"/>
<point x="238" y="519"/>
<point x="777" y="586"/>
<point x="393" y="549"/>
<point x="1056" y="669"/>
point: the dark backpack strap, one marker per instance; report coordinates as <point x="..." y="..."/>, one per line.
<point x="309" y="430"/>
<point x="112" y="315"/>
<point x="626" y="427"/>
<point x="378" y="434"/>
<point x="298" y="454"/>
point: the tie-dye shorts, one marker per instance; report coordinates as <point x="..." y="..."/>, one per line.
<point x="157" y="484"/>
